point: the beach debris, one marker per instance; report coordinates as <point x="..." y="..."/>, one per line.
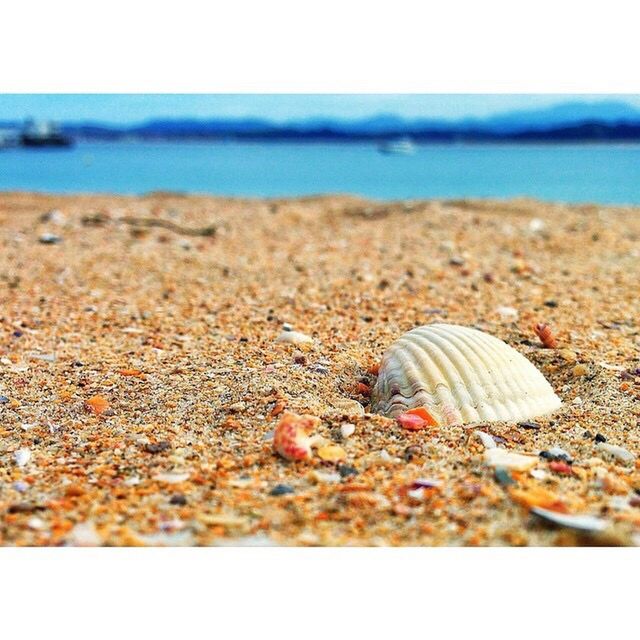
<point x="537" y="497"/>
<point x="346" y="470"/>
<point x="568" y="355"/>
<point x="347" y="430"/>
<point x="496" y="457"/>
<point x="172" y="477"/>
<point x="561" y="468"/>
<point x="580" y="370"/>
<point x="97" y="405"/>
<point x="345" y="407"/>
<point x="600" y="438"/>
<point x="616" y="452"/>
<point x="426" y="483"/>
<point x="4" y="400"/>
<point x="292" y="438"/>
<point x="528" y="424"/>
<point x="503" y="477"/>
<point x="178" y="499"/>
<point x="416" y="419"/>
<point x="294" y="337"/>
<point x="577" y="401"/>
<point x="556" y="453"/>
<point x="22" y="457"/>
<point x="460" y="375"/>
<point x="543" y="331"/>
<point x="135" y="373"/>
<point x="536" y="225"/>
<point x="585" y="523"/>
<point x="507" y="314"/>
<point x="142" y="223"/>
<point x="487" y="441"/>
<point x="281" y="490"/>
<point x="54" y="216"/>
<point x="49" y="238"/>
<point x="84" y="534"/>
<point x="332" y="453"/>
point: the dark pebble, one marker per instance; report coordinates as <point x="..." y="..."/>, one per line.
<point x="158" y="447"/>
<point x="25" y="507"/>
<point x="4" y="399"/>
<point x="600" y="438"/>
<point x="552" y="304"/>
<point x="529" y="425"/>
<point x="587" y="434"/>
<point x="17" y="333"/>
<point x="281" y="490"/>
<point x="178" y="499"/>
<point x="503" y="477"/>
<point x="346" y="470"/>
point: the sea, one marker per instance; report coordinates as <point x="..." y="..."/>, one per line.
<point x="600" y="173"/>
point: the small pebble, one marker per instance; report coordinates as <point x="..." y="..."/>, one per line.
<point x="580" y="370"/>
<point x="281" y="490"/>
<point x="4" y="400"/>
<point x="22" y="456"/>
<point x="178" y="499"/>
<point x="600" y="438"/>
<point x="49" y="238"/>
<point x="503" y="476"/>
<point x="346" y="470"/>
<point x="567" y="355"/>
<point x="347" y="430"/>
<point x="529" y="425"/>
<point x="294" y="337"/>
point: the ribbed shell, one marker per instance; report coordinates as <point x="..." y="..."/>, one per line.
<point x="460" y="375"/>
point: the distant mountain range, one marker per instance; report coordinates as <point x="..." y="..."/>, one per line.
<point x="568" y="122"/>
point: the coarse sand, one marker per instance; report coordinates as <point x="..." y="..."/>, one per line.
<point x="141" y="376"/>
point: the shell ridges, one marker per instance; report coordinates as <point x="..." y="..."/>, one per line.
<point x="462" y="375"/>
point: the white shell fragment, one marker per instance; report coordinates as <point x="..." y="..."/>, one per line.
<point x="22" y="456"/>
<point x="294" y="337"/>
<point x="509" y="460"/>
<point x="591" y="524"/>
<point x="614" y="451"/>
<point x="460" y="375"/>
<point x="487" y="441"/>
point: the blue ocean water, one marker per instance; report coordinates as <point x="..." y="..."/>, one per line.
<point x="569" y="173"/>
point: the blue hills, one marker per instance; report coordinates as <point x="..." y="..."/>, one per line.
<point x="606" y="120"/>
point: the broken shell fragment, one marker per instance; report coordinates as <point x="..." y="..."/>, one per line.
<point x="292" y="438"/>
<point x="587" y="523"/>
<point x="460" y="375"/>
<point x="416" y="419"/>
<point x="294" y="337"/>
<point x="496" y="457"/>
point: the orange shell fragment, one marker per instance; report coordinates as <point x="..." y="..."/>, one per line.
<point x="97" y="405"/>
<point x="416" y="419"/>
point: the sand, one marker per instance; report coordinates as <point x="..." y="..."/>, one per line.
<point x="141" y="378"/>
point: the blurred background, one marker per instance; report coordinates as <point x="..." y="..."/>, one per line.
<point x="571" y="148"/>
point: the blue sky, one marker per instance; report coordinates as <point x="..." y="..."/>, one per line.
<point x="130" y="108"/>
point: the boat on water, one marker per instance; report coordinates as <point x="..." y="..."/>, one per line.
<point x="43" y="134"/>
<point x="401" y="146"/>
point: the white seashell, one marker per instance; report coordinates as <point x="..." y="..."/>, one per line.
<point x="460" y="375"/>
<point x="509" y="460"/>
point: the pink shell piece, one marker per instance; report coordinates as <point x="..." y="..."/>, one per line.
<point x="292" y="439"/>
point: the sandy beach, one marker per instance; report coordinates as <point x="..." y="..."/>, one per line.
<point x="141" y="377"/>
